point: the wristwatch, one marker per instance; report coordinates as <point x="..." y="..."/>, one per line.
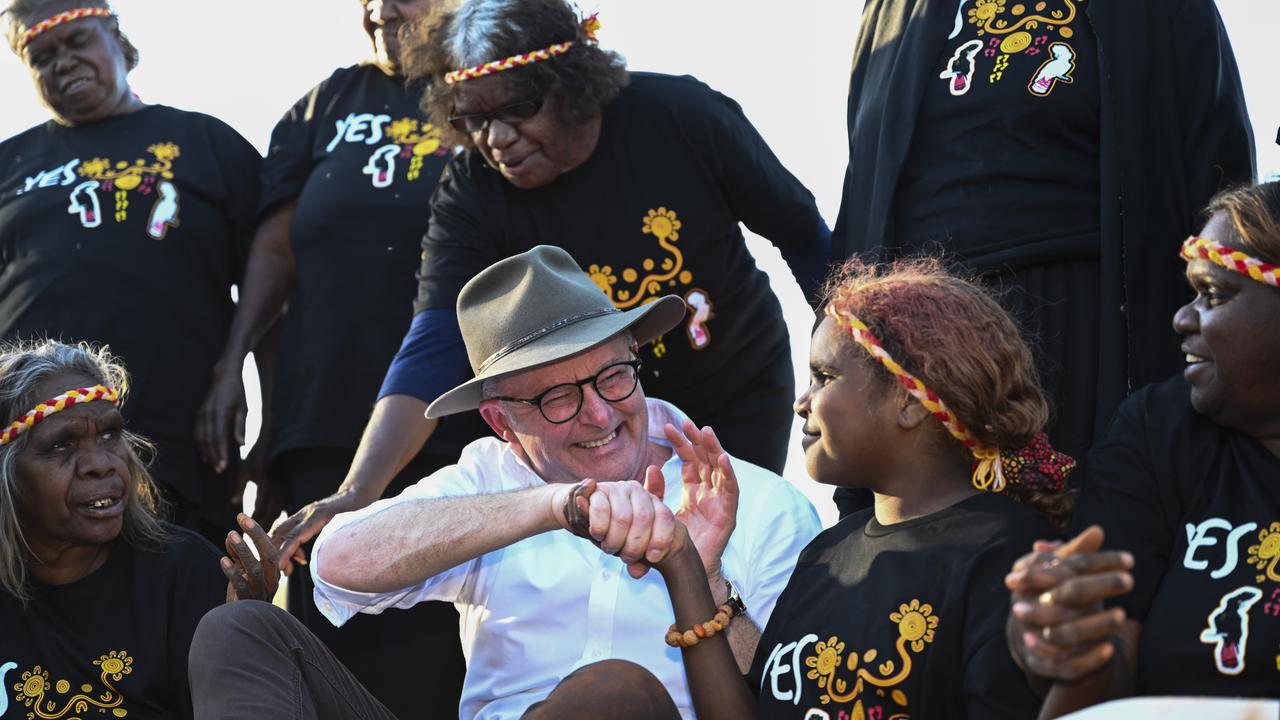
<point x="734" y="603"/>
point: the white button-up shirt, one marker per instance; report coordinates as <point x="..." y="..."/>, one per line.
<point x="536" y="610"/>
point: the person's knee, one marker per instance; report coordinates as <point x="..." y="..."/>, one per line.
<point x="218" y="630"/>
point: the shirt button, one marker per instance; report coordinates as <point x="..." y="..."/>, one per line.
<point x="604" y="574"/>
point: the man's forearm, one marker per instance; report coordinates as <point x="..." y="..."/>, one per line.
<point x="403" y="545"/>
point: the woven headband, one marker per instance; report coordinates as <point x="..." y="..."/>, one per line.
<point x="1197" y="248"/>
<point x="55" y="405"/>
<point x="590" y="26"/>
<point x="1036" y="465"/>
<point x="61" y="18"/>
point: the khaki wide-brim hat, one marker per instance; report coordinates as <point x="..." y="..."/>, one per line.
<point x="534" y="309"/>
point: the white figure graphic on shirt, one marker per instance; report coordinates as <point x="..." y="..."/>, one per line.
<point x="382" y="165"/>
<point x="960" y="67"/>
<point x="1228" y="629"/>
<point x="699" y="333"/>
<point x="164" y="214"/>
<point x="84" y="202"/>
<point x="4" y="695"/>
<point x="959" y="20"/>
<point x="1054" y="70"/>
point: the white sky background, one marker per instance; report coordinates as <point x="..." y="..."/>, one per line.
<point x="247" y="61"/>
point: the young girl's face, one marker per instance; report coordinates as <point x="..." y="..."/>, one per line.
<point x="849" y="414"/>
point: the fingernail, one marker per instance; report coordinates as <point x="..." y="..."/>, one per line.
<point x="1021" y="608"/>
<point x="1030" y="639"/>
<point x="1127" y="558"/>
<point x="249" y="524"/>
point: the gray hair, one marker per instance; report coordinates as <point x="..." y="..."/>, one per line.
<point x="23" y="367"/>
<point x="475" y="26"/>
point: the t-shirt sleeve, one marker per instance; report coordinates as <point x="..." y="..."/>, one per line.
<point x="432" y="358"/>
<point x="783" y="524"/>
<point x="762" y="193"/>
<point x="993" y="685"/>
<point x="240" y="168"/>
<point x="289" y="155"/>
<point x="1218" y="137"/>
<point x="459" y="243"/>
<point x="1124" y="494"/>
<point x="339" y="604"/>
<point x="200" y="587"/>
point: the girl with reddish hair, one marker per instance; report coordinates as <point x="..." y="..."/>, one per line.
<point x="924" y="392"/>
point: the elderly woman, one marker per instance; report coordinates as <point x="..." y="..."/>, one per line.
<point x="1184" y="486"/>
<point x="353" y="153"/>
<point x="100" y="598"/>
<point x="156" y="199"/>
<point x="642" y="178"/>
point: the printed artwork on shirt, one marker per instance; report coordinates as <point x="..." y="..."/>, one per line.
<point x="852" y="684"/>
<point x="655" y="277"/>
<point x="101" y="182"/>
<point x="1214" y="547"/>
<point x="33" y="690"/>
<point x="1000" y="39"/>
<point x="409" y="139"/>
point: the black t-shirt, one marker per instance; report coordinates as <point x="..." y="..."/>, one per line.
<point x="131" y="232"/>
<point x="1005" y="155"/>
<point x="903" y="621"/>
<point x="1198" y="505"/>
<point x="114" y="640"/>
<point x="653" y="211"/>
<point x="362" y="162"/>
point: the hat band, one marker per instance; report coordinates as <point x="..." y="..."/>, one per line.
<point x="525" y="340"/>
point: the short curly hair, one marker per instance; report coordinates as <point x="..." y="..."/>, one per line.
<point x="22" y="14"/>
<point x="582" y="81"/>
<point x="954" y="336"/>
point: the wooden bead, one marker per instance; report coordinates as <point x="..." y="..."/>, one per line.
<point x="722" y="618"/>
<point x="673" y="638"/>
<point x="690" y="638"/>
<point x="699" y="630"/>
<point x="710" y="629"/>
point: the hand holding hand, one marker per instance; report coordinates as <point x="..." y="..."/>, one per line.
<point x="249" y="577"/>
<point x="709" y="493"/>
<point x="1058" y="628"/>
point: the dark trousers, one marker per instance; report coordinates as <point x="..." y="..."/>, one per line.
<point x="410" y="660"/>
<point x="251" y="659"/>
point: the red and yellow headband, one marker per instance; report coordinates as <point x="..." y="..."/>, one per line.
<point x="1199" y="248"/>
<point x="61" y="18"/>
<point x="1037" y="464"/>
<point x="590" y="26"/>
<point x="54" y="405"/>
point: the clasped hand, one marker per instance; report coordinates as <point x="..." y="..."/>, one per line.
<point x="1058" y="627"/>
<point x="630" y="519"/>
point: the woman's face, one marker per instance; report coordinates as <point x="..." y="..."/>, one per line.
<point x="73" y="475"/>
<point x="383" y="20"/>
<point x="1231" y="337"/>
<point x="530" y="153"/>
<point x="80" y="71"/>
<point x="850" y="422"/>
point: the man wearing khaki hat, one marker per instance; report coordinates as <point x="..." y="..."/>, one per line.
<point x="556" y="379"/>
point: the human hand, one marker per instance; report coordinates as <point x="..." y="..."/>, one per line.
<point x="1058" y="628"/>
<point x="625" y="519"/>
<point x="220" y="421"/>
<point x="299" y="528"/>
<point x="249" y="577"/>
<point x="709" y="493"/>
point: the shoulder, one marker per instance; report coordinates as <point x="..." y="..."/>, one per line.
<point x="15" y="143"/>
<point x="195" y="121"/>
<point x="684" y="95"/>
<point x="1159" y="419"/>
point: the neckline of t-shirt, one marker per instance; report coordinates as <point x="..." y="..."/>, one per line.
<point x="107" y="121"/>
<point x="874" y="528"/>
<point x="87" y="585"/>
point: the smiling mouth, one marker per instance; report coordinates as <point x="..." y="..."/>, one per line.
<point x="1193" y="359"/>
<point x="599" y="443"/>
<point x="75" y="85"/>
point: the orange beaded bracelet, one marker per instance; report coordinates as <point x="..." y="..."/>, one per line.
<point x="724" y="615"/>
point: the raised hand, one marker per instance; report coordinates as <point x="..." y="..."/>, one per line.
<point x="294" y="531"/>
<point x="1058" y="628"/>
<point x="709" y="491"/>
<point x="249" y="577"/>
